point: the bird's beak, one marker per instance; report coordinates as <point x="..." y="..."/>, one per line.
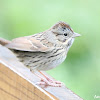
<point x="76" y="35"/>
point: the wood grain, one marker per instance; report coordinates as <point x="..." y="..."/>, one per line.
<point x="18" y="83"/>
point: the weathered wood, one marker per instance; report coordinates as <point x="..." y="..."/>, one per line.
<point x="18" y="83"/>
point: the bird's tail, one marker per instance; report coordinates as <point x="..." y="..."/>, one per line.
<point x="4" y="41"/>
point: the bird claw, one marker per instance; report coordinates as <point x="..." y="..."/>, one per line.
<point x="50" y="83"/>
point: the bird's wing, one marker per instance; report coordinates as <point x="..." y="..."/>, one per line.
<point x="28" y="43"/>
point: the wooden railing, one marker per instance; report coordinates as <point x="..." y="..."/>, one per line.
<point x="18" y="83"/>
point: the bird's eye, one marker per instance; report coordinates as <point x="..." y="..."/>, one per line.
<point x="64" y="28"/>
<point x="65" y="34"/>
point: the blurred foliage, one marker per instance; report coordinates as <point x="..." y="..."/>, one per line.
<point x="81" y="70"/>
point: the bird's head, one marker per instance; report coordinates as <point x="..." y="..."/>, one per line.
<point x="63" y="32"/>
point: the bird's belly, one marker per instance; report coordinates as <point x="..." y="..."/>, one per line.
<point x="41" y="61"/>
<point x="54" y="63"/>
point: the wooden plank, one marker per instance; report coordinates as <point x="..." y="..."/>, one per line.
<point x="16" y="87"/>
<point x="18" y="83"/>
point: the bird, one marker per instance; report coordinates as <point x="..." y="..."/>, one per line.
<point x="43" y="51"/>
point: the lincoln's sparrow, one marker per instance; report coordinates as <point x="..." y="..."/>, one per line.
<point x="45" y="50"/>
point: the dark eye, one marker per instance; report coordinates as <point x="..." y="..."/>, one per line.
<point x="65" y="34"/>
<point x="64" y="28"/>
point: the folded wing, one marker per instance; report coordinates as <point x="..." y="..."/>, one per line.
<point x="28" y="43"/>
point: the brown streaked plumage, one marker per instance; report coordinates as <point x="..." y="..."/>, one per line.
<point x="63" y="24"/>
<point x="45" y="50"/>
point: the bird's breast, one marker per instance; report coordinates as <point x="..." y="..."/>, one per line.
<point x="55" y="60"/>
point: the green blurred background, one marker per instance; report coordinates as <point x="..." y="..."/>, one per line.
<point x="81" y="70"/>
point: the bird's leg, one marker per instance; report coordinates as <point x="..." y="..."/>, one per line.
<point x="46" y="82"/>
<point x="49" y="79"/>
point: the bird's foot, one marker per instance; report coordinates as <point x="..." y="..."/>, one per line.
<point x="50" y="83"/>
<point x="49" y="79"/>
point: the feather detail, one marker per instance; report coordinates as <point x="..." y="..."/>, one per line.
<point x="28" y="43"/>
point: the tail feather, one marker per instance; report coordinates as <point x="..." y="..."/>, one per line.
<point x="4" y="41"/>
